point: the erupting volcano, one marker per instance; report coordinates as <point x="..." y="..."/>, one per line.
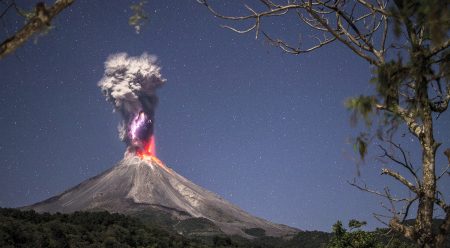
<point x="140" y="184"/>
<point x="143" y="145"/>
<point x="130" y="84"/>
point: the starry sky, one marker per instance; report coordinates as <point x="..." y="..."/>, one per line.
<point x="265" y="130"/>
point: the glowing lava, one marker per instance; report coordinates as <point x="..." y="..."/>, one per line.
<point x="149" y="154"/>
<point x="149" y="150"/>
<point x="142" y="140"/>
<point x="141" y="135"/>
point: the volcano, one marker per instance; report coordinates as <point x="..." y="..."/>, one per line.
<point x="149" y="189"/>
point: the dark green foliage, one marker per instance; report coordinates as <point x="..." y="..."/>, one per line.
<point x="305" y="239"/>
<point x="361" y="145"/>
<point x="361" y="106"/>
<point x="197" y="226"/>
<point x="357" y="238"/>
<point x="140" y="16"/>
<point x="310" y="239"/>
<point x="82" y="229"/>
<point x="255" y="232"/>
<point x="389" y="239"/>
<point x="157" y="218"/>
<point x="352" y="224"/>
<point x="102" y="229"/>
<point x="431" y="14"/>
<point x="398" y="79"/>
<point x="219" y="241"/>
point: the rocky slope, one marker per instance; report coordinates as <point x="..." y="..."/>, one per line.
<point x="147" y="187"/>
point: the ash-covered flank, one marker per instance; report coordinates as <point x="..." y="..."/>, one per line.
<point x="136" y="186"/>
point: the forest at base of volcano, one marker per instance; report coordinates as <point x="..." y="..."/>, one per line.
<point x="102" y="229"/>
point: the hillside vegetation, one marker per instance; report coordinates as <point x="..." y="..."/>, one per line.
<point x="103" y="229"/>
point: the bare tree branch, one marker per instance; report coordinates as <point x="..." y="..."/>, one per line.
<point x="368" y="45"/>
<point x="403" y="163"/>
<point x="271" y="12"/>
<point x="311" y="22"/>
<point x="363" y="27"/>
<point x="297" y="50"/>
<point x="445" y="171"/>
<point x="407" y="231"/>
<point x="240" y="31"/>
<point x="400" y="178"/>
<point x="379" y="216"/>
<point x="40" y="20"/>
<point x="338" y="36"/>
<point x="442" y="105"/>
<point x="415" y="128"/>
<point x="440" y="200"/>
<point x="372" y="7"/>
<point x="365" y="188"/>
<point x="384" y="37"/>
<point x="13" y="4"/>
<point x="410" y="202"/>
<point x="440" y="48"/>
<point x="320" y="24"/>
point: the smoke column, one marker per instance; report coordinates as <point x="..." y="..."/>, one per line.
<point x="130" y="84"/>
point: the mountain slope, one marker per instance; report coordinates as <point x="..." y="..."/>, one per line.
<point x="136" y="186"/>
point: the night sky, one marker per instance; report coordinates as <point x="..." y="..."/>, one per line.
<point x="265" y="130"/>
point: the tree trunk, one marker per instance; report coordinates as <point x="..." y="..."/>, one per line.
<point x="427" y="192"/>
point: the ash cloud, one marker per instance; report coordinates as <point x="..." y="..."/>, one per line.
<point x="130" y="84"/>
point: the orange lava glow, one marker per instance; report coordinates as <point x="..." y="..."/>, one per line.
<point x="149" y="154"/>
<point x="149" y="150"/>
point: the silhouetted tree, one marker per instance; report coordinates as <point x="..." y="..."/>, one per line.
<point x="406" y="43"/>
<point x="38" y="20"/>
<point x="355" y="239"/>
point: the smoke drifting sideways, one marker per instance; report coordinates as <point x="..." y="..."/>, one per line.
<point x="130" y="84"/>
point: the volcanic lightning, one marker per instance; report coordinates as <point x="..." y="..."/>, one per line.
<point x="130" y="84"/>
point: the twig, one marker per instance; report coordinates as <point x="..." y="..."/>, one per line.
<point x="41" y="19"/>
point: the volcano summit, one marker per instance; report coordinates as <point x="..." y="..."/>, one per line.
<point x="140" y="184"/>
<point x="149" y="189"/>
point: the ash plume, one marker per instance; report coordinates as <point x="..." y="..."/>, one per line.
<point x="130" y="84"/>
